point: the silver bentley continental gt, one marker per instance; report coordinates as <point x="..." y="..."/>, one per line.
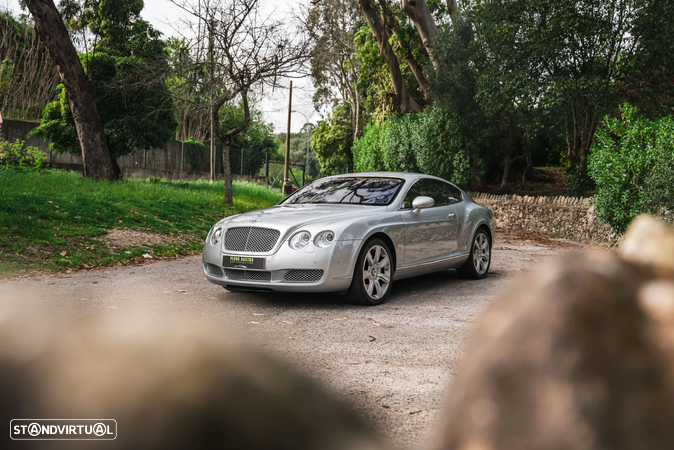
<point x="352" y="234"/>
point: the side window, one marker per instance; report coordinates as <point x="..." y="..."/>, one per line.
<point x="442" y="193"/>
<point x="412" y="193"/>
<point x="454" y="194"/>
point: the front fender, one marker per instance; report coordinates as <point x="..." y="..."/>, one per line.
<point x="362" y="231"/>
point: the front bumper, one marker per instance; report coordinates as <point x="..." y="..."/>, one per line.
<point x="312" y="269"/>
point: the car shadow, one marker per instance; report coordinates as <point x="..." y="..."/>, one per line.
<point x="407" y="290"/>
<point x="287" y="299"/>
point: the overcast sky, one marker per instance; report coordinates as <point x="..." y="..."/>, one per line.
<point x="166" y="17"/>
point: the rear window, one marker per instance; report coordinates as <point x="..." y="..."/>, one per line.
<point x="360" y="191"/>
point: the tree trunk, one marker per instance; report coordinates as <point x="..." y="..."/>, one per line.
<point x="357" y="118"/>
<point x="506" y="172"/>
<point x="227" y="169"/>
<point x="530" y="165"/>
<point x="225" y="139"/>
<point x="95" y="153"/>
<point x="412" y="63"/>
<point x="580" y="133"/>
<point x="453" y="7"/>
<point x="418" y="72"/>
<point x="404" y="103"/>
<point x="357" y="114"/>
<point x="418" y="11"/>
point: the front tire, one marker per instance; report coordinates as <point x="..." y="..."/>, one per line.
<point x="373" y="275"/>
<point x="479" y="260"/>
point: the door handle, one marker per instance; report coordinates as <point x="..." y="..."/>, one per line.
<point x="451" y="215"/>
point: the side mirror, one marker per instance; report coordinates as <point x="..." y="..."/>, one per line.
<point x="422" y="202"/>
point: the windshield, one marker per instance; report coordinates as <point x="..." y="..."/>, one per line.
<point x="360" y="191"/>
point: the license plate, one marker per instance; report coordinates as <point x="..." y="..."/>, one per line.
<point x="243" y="262"/>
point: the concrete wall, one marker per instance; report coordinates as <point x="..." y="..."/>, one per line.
<point x="11" y="130"/>
<point x="175" y="162"/>
<point x="564" y="217"/>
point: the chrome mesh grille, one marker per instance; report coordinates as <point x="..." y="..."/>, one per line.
<point x="214" y="270"/>
<point x="303" y="276"/>
<point x="251" y="239"/>
<point x="247" y="275"/>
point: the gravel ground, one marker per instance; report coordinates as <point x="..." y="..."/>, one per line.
<point x="391" y="363"/>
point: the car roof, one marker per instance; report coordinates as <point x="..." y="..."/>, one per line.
<point x="402" y="175"/>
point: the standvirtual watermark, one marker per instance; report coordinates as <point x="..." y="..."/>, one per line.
<point x="63" y="429"/>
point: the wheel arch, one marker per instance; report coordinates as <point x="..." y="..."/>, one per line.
<point x="386" y="238"/>
<point x="485" y="227"/>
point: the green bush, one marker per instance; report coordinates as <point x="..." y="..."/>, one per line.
<point x="578" y="182"/>
<point x="16" y="154"/>
<point x="632" y="163"/>
<point x="428" y="142"/>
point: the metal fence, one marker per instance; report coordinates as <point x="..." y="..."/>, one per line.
<point x="177" y="161"/>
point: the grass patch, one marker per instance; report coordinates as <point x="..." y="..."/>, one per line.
<point x="47" y="213"/>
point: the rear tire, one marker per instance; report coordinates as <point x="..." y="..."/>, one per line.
<point x="373" y="275"/>
<point x="479" y="259"/>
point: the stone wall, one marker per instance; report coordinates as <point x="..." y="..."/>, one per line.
<point x="562" y="217"/>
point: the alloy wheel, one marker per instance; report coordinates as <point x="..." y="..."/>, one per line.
<point x="376" y="272"/>
<point x="481" y="253"/>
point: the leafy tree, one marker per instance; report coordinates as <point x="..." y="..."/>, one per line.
<point x="399" y="31"/>
<point x="526" y="78"/>
<point x="130" y="90"/>
<point x="254" y="141"/>
<point x="650" y="86"/>
<point x="562" y="57"/>
<point x="94" y="149"/>
<point x="332" y="140"/>
<point x="189" y="89"/>
<point x="244" y="49"/>
<point x="332" y="25"/>
<point x="298" y="152"/>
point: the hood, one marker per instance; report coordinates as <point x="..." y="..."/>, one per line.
<point x="284" y="217"/>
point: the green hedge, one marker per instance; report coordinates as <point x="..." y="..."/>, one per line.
<point x="632" y="163"/>
<point x="429" y="142"/>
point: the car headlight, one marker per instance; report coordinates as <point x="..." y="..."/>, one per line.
<point x="324" y="239"/>
<point x="300" y="240"/>
<point x="217" y="234"/>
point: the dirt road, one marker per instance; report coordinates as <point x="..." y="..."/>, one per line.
<point x="391" y="363"/>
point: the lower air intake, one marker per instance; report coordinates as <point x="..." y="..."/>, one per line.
<point x="213" y="270"/>
<point x="247" y="275"/>
<point x="303" y="275"/>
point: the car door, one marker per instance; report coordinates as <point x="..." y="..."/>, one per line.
<point x="431" y="234"/>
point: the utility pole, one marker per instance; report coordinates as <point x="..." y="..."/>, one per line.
<point x="287" y="186"/>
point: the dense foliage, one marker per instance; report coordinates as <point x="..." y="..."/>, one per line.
<point x="253" y="143"/>
<point x="427" y="142"/>
<point x="18" y="155"/>
<point x="332" y="141"/>
<point x="520" y="83"/>
<point x="632" y="163"/>
<point x="127" y="72"/>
